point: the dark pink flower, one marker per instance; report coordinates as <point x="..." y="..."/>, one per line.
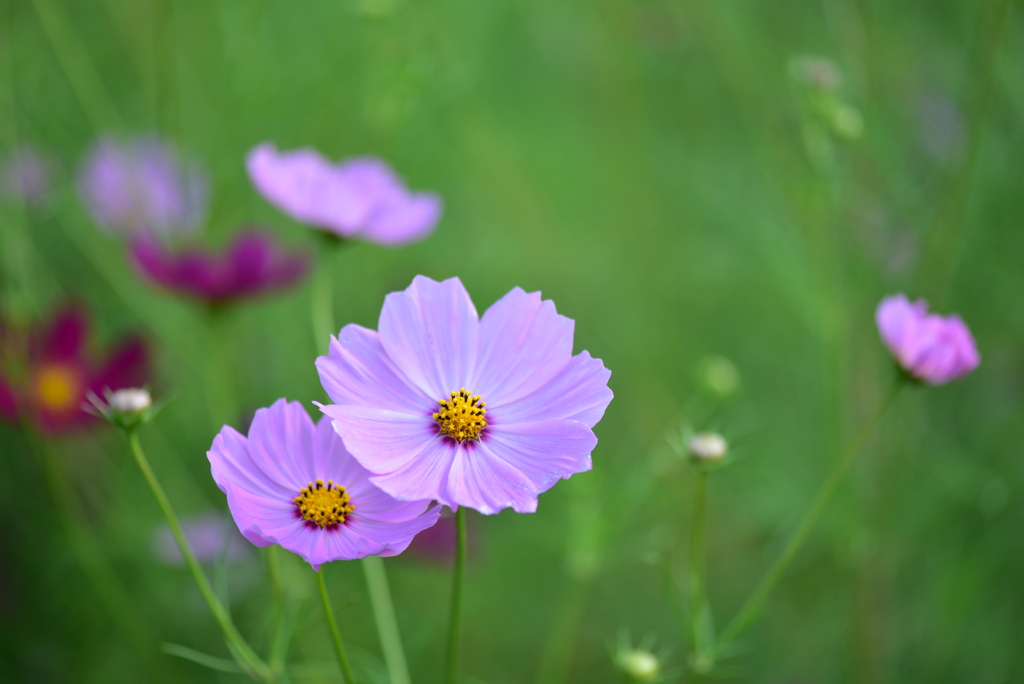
<point x="359" y="198"/>
<point x="251" y="265"/>
<point x="46" y="379"/>
<point x="934" y="349"/>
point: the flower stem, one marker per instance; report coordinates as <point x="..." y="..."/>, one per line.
<point x="751" y="610"/>
<point x="220" y="386"/>
<point x="277" y="606"/>
<point x="253" y="662"/>
<point x="701" y="628"/>
<point x="384" y="615"/>
<point x="322" y="292"/>
<point x="339" y="648"/>
<point x="454" y="626"/>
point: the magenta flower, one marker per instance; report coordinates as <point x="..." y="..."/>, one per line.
<point x="359" y="198"/>
<point x="25" y="175"/>
<point x="140" y="186"/>
<point x="931" y="348"/>
<point x="292" y="483"/>
<point x="251" y="265"/>
<point x="47" y="373"/>
<point x="485" y="413"/>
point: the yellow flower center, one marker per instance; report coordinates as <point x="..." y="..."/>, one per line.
<point x="322" y="504"/>
<point x="58" y="387"/>
<point x="462" y="416"/>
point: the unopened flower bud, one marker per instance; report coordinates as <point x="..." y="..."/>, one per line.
<point x="130" y="401"/>
<point x="708" y="446"/>
<point x="719" y="376"/>
<point x="638" y="665"/>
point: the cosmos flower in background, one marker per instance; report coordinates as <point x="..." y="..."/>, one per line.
<point x="140" y="185"/>
<point x="46" y="379"/>
<point x="210" y="536"/>
<point x="441" y="404"/>
<point x="292" y="483"/>
<point x="361" y="198"/>
<point x="26" y="175"/>
<point x="253" y="264"/>
<point x="931" y="348"/>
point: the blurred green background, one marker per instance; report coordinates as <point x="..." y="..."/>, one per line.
<point x="654" y="168"/>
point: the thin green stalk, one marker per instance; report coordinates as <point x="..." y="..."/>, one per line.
<point x="384" y="615"/>
<point x="322" y="305"/>
<point x="220" y="614"/>
<point x="454" y="625"/>
<point x="220" y="395"/>
<point x="339" y="648"/>
<point x="701" y="629"/>
<point x="558" y="651"/>
<point x="751" y="610"/>
<point x="77" y="65"/>
<point x="273" y="555"/>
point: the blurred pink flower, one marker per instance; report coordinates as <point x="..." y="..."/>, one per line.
<point x="253" y="264"/>
<point x="931" y="348"/>
<point x="358" y="198"/>
<point x="44" y="377"/>
<point x="141" y="186"/>
<point x="25" y="175"/>
<point x="209" y="535"/>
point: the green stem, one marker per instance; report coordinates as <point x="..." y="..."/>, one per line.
<point x="557" y="658"/>
<point x="220" y="395"/>
<point x="322" y="306"/>
<point x="384" y="614"/>
<point x="220" y="614"/>
<point x="277" y="606"/>
<point x="454" y="625"/>
<point x="339" y="648"/>
<point x="701" y="630"/>
<point x="751" y="610"/>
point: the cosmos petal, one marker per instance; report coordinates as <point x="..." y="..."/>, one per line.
<point x="382" y="441"/>
<point x="544" y="452"/>
<point x="410" y="219"/>
<point x="231" y="464"/>
<point x="578" y="392"/>
<point x="485" y="482"/>
<point x="424" y="475"/>
<point x="284" y="428"/>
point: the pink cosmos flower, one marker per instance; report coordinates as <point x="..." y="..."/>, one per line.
<point x="45" y="375"/>
<point x="26" y="175"/>
<point x="931" y="348"/>
<point x="485" y="413"/>
<point x="140" y="185"/>
<point x="358" y="198"/>
<point x="251" y="265"/>
<point x="292" y="483"/>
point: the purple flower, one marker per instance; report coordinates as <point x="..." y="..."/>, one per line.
<point x="25" y="175"/>
<point x="931" y="348"/>
<point x="292" y="483"/>
<point x="140" y="186"/>
<point x="359" y="198"/>
<point x="209" y="535"/>
<point x="440" y="404"/>
<point x="251" y="265"/>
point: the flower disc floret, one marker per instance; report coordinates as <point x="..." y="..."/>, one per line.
<point x="324" y="505"/>
<point x="462" y="416"/>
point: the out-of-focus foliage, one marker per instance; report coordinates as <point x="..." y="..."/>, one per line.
<point x="654" y="168"/>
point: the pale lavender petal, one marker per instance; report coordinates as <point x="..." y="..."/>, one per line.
<point x="545" y="451"/>
<point x="431" y="331"/>
<point x="579" y="392"/>
<point x="281" y="443"/>
<point x="358" y="371"/>
<point x="412" y="218"/>
<point x="382" y="441"/>
<point x="396" y="534"/>
<point x="524" y="343"/>
<point x="262" y="520"/>
<point x="424" y="476"/>
<point x="332" y="461"/>
<point x="230" y="462"/>
<point x="932" y="348"/>
<point x="487" y="483"/>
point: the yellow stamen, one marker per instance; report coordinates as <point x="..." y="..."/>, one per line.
<point x="58" y="387"/>
<point x="322" y="504"/>
<point x="462" y="416"/>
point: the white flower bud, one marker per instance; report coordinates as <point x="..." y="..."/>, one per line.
<point x="130" y="401"/>
<point x="708" y="446"/>
<point x="639" y="666"/>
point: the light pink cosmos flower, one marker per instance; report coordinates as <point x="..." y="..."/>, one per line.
<point x="141" y="186"/>
<point x="292" y="483"/>
<point x="357" y="198"/>
<point x="441" y="404"/>
<point x="932" y="348"/>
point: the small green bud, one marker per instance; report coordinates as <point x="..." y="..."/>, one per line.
<point x="126" y="408"/>
<point x="719" y="376"/>
<point x="638" y="665"/>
